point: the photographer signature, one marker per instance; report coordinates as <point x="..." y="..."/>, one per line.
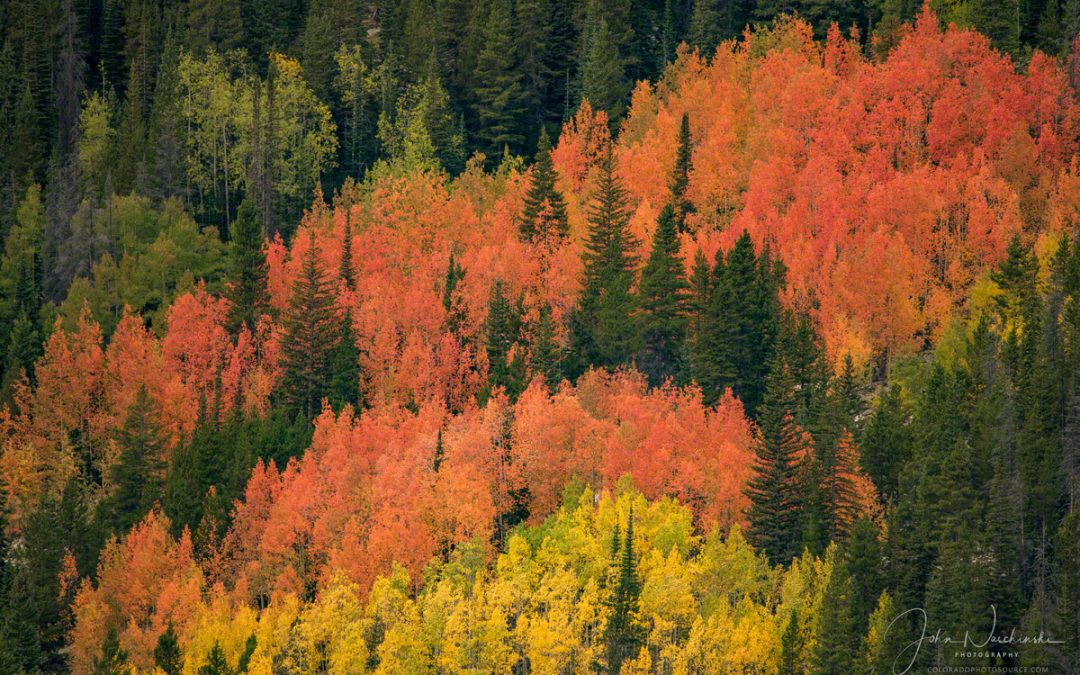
<point x="936" y="637"/>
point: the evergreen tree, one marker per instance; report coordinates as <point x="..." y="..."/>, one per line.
<point x="451" y="299"/>
<point x="345" y="367"/>
<point x="216" y="663"/>
<point x="791" y="646"/>
<point x="836" y="633"/>
<point x="247" y="293"/>
<point x="775" y="490"/>
<point x="113" y="659"/>
<point x="1000" y="21"/>
<point x="309" y="337"/>
<point x="546" y="354"/>
<point x="347" y="270"/>
<point x="603" y="70"/>
<point x="167" y="653"/>
<point x="502" y="333"/>
<point x="739" y="331"/>
<point x="624" y="634"/>
<point x="680" y="179"/>
<point x="661" y="300"/>
<point x="501" y="101"/>
<point x="544" y="215"/>
<point x="603" y="324"/>
<point x="138" y="473"/>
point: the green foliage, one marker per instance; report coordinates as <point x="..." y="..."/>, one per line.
<point x="310" y="337"/>
<point x="167" y="653"/>
<point x="661" y="299"/>
<point x="604" y="327"/>
<point x="246" y="291"/>
<point x="544" y="215"/>
<point x="138" y="474"/>
<point x="500" y="99"/>
<point x="603" y="75"/>
<point x="738" y="329"/>
<point x="502" y="341"/>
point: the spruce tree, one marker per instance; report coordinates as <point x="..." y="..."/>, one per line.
<point x="680" y="179"/>
<point x="545" y="356"/>
<point x="624" y="634"/>
<point x="740" y="329"/>
<point x="345" y="367"/>
<point x="661" y="302"/>
<point x="775" y="490"/>
<point x="544" y="215"/>
<point x="139" y="472"/>
<point x="216" y="663"/>
<point x="603" y="71"/>
<point x="791" y="646"/>
<point x="247" y="291"/>
<point x="1000" y="21"/>
<point x="310" y="336"/>
<point x="502" y="332"/>
<point x="167" y="653"/>
<point x="603" y="324"/>
<point x="347" y="272"/>
<point x="500" y="103"/>
<point x="836" y="631"/>
<point x="113" y="659"/>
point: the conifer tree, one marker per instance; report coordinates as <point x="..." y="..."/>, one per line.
<point x="836" y="635"/>
<point x="309" y="337"/>
<point x="602" y="68"/>
<point x="451" y="299"/>
<point x="791" y="646"/>
<point x="113" y="659"/>
<point x="347" y="272"/>
<point x="624" y="634"/>
<point x="248" y="295"/>
<point x="661" y="302"/>
<point x="502" y="332"/>
<point x="546" y="355"/>
<point x="216" y="663"/>
<point x="739" y="332"/>
<point x="544" y="215"/>
<point x="680" y="179"/>
<point x="139" y="472"/>
<point x="500" y="103"/>
<point x="167" y="653"/>
<point x="345" y="367"/>
<point x="603" y="325"/>
<point x="775" y="490"/>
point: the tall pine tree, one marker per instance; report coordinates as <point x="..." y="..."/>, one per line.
<point x="661" y="299"/>
<point x="247" y="292"/>
<point x="544" y="215"/>
<point x="310" y="336"/>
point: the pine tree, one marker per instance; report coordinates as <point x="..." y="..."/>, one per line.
<point x="167" y="653"/>
<point x="139" y="472"/>
<point x="680" y="179"/>
<point x="502" y="333"/>
<point x="602" y="68"/>
<point x="740" y="329"/>
<point x="791" y="646"/>
<point x="545" y="357"/>
<point x="500" y="103"/>
<point x="624" y="634"/>
<point x="113" y="659"/>
<point x="347" y="271"/>
<point x="216" y="663"/>
<point x="451" y="299"/>
<point x="1000" y="21"/>
<point x="836" y="635"/>
<point x="345" y="367"/>
<point x="603" y="325"/>
<point x="775" y="490"/>
<point x="544" y="215"/>
<point x="661" y="302"/>
<point x="247" y="293"/>
<point x="309" y="337"/>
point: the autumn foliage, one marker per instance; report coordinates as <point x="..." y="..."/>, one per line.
<point x="887" y="188"/>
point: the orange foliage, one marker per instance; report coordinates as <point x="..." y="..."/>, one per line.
<point x="367" y="493"/>
<point x="145" y="582"/>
